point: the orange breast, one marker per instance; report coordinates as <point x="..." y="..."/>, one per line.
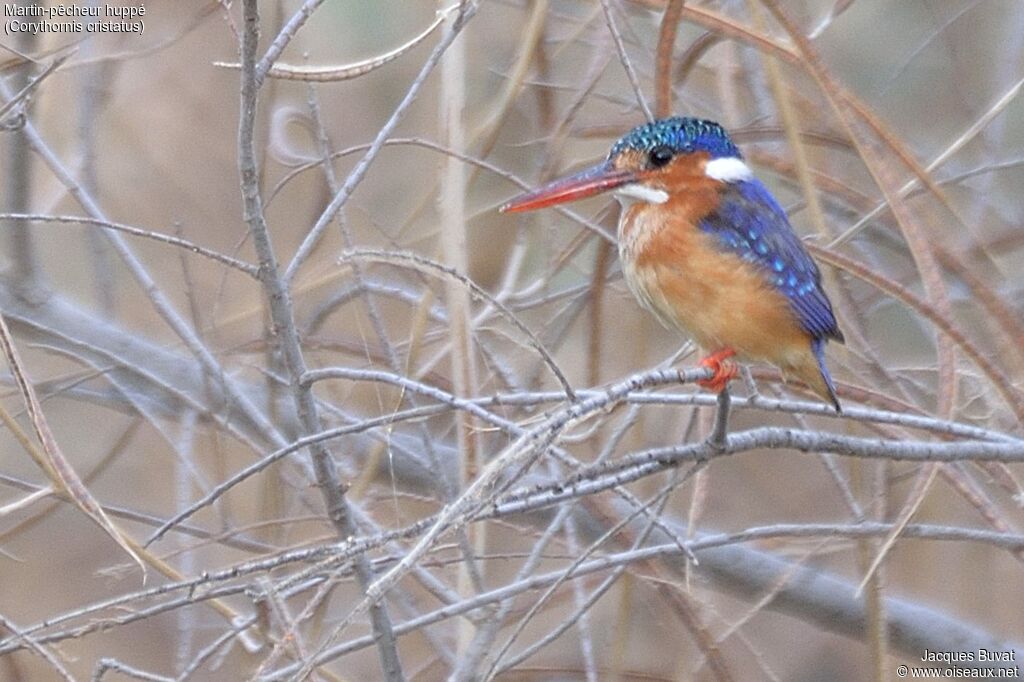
<point x="681" y="275"/>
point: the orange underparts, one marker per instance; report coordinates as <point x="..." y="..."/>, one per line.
<point x="724" y="369"/>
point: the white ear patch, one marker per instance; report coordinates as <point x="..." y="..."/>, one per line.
<point x="635" y="191"/>
<point x="728" y="169"/>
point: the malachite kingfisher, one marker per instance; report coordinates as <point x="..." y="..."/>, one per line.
<point x="706" y="247"/>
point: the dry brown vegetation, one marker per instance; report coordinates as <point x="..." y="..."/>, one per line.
<point x="287" y="397"/>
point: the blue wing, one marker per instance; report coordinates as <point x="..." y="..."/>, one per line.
<point x="751" y="224"/>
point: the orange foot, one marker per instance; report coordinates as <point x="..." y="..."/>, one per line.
<point x="724" y="368"/>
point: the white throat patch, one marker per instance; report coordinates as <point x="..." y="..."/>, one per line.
<point x="633" y="192"/>
<point x="729" y="169"/>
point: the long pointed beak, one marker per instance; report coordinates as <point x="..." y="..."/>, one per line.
<point x="586" y="183"/>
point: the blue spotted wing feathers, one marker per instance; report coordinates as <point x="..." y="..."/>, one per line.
<point x="751" y="224"/>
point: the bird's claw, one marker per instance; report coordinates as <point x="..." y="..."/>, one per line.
<point x="724" y="368"/>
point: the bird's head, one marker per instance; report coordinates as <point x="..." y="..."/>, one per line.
<point x="647" y="164"/>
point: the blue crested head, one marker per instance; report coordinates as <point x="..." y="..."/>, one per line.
<point x="649" y="163"/>
<point x="681" y="135"/>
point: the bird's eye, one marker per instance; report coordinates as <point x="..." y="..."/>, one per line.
<point x="660" y="155"/>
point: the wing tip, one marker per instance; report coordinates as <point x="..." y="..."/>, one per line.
<point x="818" y="347"/>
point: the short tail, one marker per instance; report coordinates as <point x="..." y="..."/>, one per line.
<point x="818" y="348"/>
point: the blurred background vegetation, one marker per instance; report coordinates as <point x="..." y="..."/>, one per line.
<point x="891" y="131"/>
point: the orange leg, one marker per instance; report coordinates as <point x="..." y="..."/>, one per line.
<point x="723" y="366"/>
